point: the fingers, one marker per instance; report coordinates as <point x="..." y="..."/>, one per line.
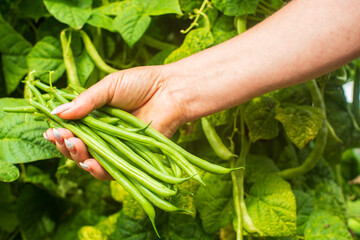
<point x="73" y="148"/>
<point x="93" y="98"/>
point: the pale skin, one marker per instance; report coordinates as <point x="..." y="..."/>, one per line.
<point x="303" y="40"/>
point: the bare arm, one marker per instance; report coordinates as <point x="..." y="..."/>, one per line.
<point x="303" y="40"/>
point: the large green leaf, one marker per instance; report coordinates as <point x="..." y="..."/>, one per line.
<point x="99" y="19"/>
<point x="75" y="13"/>
<point x="214" y="202"/>
<point x="158" y="7"/>
<point x="8" y="172"/>
<point x="223" y="29"/>
<point x="324" y="226"/>
<point x="128" y="228"/>
<point x="46" y="56"/>
<point x="185" y="227"/>
<point x="14" y="49"/>
<point x="133" y="17"/>
<point x="301" y="123"/>
<point x="236" y="7"/>
<point x="21" y="137"/>
<point x="37" y="177"/>
<point x="33" y="8"/>
<point x="328" y="196"/>
<point x="257" y="166"/>
<point x="304" y="207"/>
<point x="271" y="205"/>
<point x="195" y="41"/>
<point x="131" y="23"/>
<point x="260" y="118"/>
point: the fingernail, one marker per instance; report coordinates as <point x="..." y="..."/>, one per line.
<point x="62" y="108"/>
<point x="57" y="135"/>
<point x="70" y="146"/>
<point x="84" y="166"/>
<point x="46" y="137"/>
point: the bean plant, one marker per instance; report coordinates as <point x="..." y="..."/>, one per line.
<point x="287" y="162"/>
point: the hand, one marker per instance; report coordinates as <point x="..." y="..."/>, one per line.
<point x="144" y="91"/>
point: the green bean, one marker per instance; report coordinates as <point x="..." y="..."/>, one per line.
<point x="215" y="141"/>
<point x="109" y="120"/>
<point x="108" y="154"/>
<point x="140" y="162"/>
<point x="91" y="50"/>
<point x="69" y="60"/>
<point x="148" y="155"/>
<point x="36" y="93"/>
<point x="128" y="186"/>
<point x="27" y="109"/>
<point x="110" y="129"/>
<point x="205" y="165"/>
<point x="157" y="201"/>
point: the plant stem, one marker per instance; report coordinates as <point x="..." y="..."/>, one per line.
<point x="69" y="60"/>
<point x="197" y="11"/>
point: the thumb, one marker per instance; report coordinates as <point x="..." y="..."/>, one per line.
<point x="93" y="98"/>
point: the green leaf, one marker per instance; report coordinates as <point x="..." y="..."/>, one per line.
<point x="117" y="191"/>
<point x="85" y="66"/>
<point x="223" y="29"/>
<point x="46" y="56"/>
<point x="185" y="227"/>
<point x="324" y="226"/>
<point x="21" y="137"/>
<point x="214" y="202"/>
<point x="195" y="41"/>
<point x="131" y="23"/>
<point x="304" y="207"/>
<point x="158" y="7"/>
<point x="185" y="200"/>
<point x="260" y="118"/>
<point x="33" y="8"/>
<point x="112" y="9"/>
<point x="236" y="7"/>
<point x="271" y="205"/>
<point x="257" y="166"/>
<point x="301" y="123"/>
<point x="8" y="172"/>
<point x="35" y="219"/>
<point x="99" y="19"/>
<point x="329" y="197"/>
<point x="353" y="208"/>
<point x="14" y="49"/>
<point x="128" y="228"/>
<point x="298" y="94"/>
<point x="75" y="13"/>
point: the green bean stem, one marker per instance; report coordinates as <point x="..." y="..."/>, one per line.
<point x="128" y="186"/>
<point x="91" y="50"/>
<point x="215" y="141"/>
<point x="69" y="60"/>
<point x="320" y="142"/>
<point x="205" y="165"/>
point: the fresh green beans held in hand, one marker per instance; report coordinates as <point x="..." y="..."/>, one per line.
<point x="109" y="155"/>
<point x="205" y="165"/>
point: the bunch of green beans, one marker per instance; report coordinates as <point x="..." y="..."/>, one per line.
<point x="127" y="148"/>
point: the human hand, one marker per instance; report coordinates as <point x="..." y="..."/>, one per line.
<point x="145" y="92"/>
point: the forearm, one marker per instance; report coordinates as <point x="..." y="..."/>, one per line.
<point x="303" y="40"/>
